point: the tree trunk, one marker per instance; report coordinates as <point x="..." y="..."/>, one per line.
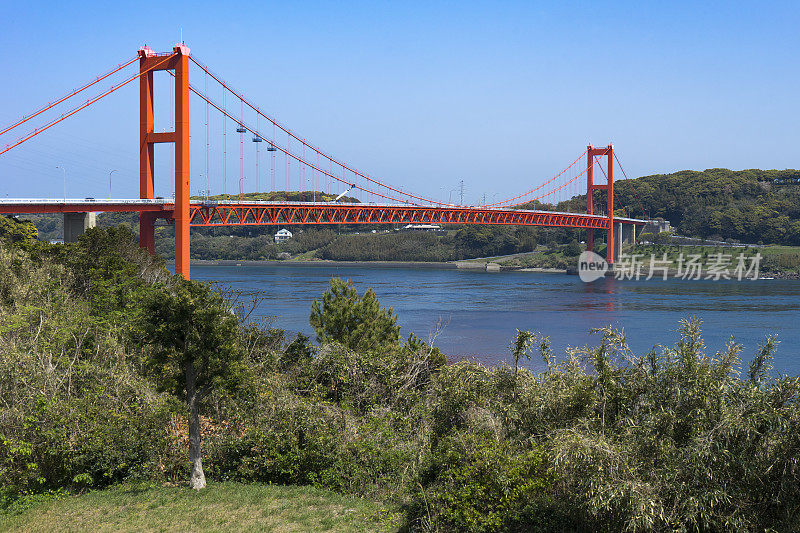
<point x="198" y="479"/>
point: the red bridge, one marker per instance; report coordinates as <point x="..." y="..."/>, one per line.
<point x="390" y="205"/>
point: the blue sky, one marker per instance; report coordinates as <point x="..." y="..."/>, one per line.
<point x="422" y="94"/>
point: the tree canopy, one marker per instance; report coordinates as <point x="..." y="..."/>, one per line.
<point x="747" y="205"/>
<point x="16" y="231"/>
<point x="358" y="322"/>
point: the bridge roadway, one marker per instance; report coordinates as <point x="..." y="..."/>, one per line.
<point x="251" y="213"/>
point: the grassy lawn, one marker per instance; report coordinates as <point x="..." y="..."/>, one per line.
<point x="543" y="257"/>
<point x="773" y="258"/>
<point x="220" y="507"/>
<point x="785" y="258"/>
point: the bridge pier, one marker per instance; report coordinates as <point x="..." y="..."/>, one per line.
<point x="147" y="232"/>
<point x="76" y="224"/>
<point x="626" y="234"/>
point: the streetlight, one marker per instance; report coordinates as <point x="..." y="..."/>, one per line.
<point x="109" y="182"/>
<point x="65" y="183"/>
<point x="450" y="196"/>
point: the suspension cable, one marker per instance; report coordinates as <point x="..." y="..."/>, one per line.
<point x="633" y="189"/>
<point x="287" y="152"/>
<point x="616" y="200"/>
<point x="564" y="185"/>
<point x="346" y="167"/>
<point x="87" y="104"/>
<point x="25" y="119"/>
<point x="306" y="143"/>
<point x="509" y="200"/>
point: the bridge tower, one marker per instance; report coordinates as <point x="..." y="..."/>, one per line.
<point x="149" y="62"/>
<point x="591" y="153"/>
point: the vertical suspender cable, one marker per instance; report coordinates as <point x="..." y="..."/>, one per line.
<point x="288" y="162"/>
<point x="207" y="192"/>
<point x="224" y="150"/>
<point x="241" y="149"/>
<point x="272" y="167"/>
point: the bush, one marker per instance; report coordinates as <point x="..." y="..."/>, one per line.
<point x="671" y="441"/>
<point x="477" y="482"/>
<point x="75" y="412"/>
<point x="573" y="249"/>
<point x="16" y="231"/>
<point x="291" y="443"/>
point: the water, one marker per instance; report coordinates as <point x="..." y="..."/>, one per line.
<point x="481" y="311"/>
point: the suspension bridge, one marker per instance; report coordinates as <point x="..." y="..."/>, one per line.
<point x="378" y="202"/>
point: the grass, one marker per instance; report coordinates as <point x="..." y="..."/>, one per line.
<point x="220" y="507"/>
<point x="542" y="257"/>
<point x="305" y="256"/>
<point x="782" y="258"/>
<point x="774" y="258"/>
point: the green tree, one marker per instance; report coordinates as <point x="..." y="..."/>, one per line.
<point x="193" y="334"/>
<point x="113" y="273"/>
<point x="17" y="231"/>
<point x="360" y="323"/>
<point x="662" y="237"/>
<point x="573" y="249"/>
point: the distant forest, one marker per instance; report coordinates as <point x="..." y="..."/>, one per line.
<point x="747" y="205"/>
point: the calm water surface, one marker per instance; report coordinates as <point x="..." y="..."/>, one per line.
<point x="480" y="311"/>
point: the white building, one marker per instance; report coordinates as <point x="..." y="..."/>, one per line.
<point x="283" y="235"/>
<point x="421" y="227"/>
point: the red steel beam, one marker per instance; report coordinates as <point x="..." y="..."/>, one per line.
<point x="243" y="214"/>
<point x="162" y="210"/>
<point x="277" y="213"/>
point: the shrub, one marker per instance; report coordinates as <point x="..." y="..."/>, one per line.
<point x="476" y="482"/>
<point x="292" y="443"/>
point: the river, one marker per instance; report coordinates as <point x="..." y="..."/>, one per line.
<point x="478" y="312"/>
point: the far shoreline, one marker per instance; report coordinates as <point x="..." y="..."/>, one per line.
<point x="440" y="265"/>
<point x="290" y="262"/>
<point x="468" y="265"/>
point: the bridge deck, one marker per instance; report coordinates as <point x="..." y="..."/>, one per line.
<point x="252" y="213"/>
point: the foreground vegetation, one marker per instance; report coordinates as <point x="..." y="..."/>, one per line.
<point x="226" y="506"/>
<point x="679" y="439"/>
